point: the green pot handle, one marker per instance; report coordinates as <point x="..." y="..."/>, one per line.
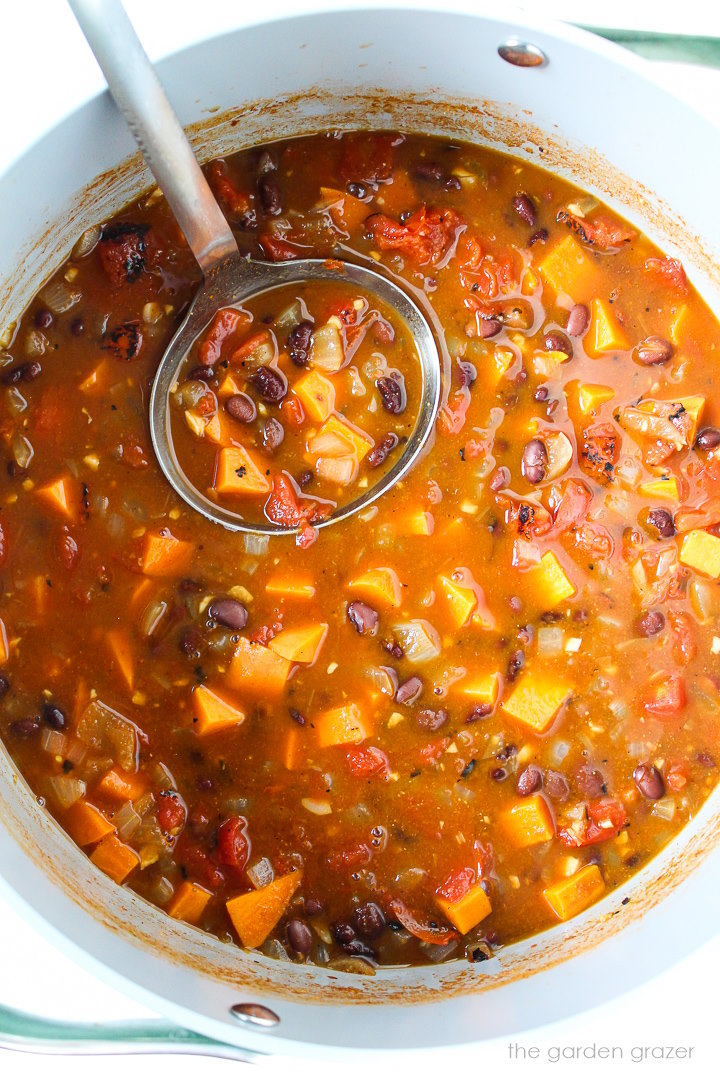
<point x="22" y="1031"/>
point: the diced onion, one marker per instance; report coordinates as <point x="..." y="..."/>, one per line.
<point x="550" y="640"/>
<point x="152" y="617"/>
<point x="327" y="348"/>
<point x="664" y="808"/>
<point x="87" y="242"/>
<point x="289" y="316"/>
<point x="261" y="873"/>
<point x="35" y="343"/>
<point x="330" y="444"/>
<point x="320" y="807"/>
<point x="338" y="470"/>
<point x="256" y="543"/>
<point x="16" y="402"/>
<point x="60" y="297"/>
<point x="105" y="730"/>
<point x="53" y="742"/>
<point x="162" y="890"/>
<point x="66" y="790"/>
<point x="127" y="821"/>
<point x="559" y="751"/>
<point x="419" y="640"/>
<point x="23" y="452"/>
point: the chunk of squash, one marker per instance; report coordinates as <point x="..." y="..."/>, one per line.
<point x="482" y="688"/>
<point x="461" y="601"/>
<point x="663" y="488"/>
<point x="591" y="396"/>
<point x="380" y="585"/>
<point x="548" y="582"/>
<point x="58" y="495"/>
<point x="121" y="653"/>
<point x="568" y="268"/>
<point x="317" y="394"/>
<point x="86" y="824"/>
<point x="468" y="911"/>
<point x="604" y="333"/>
<point x="572" y="895"/>
<point x="237" y="473"/>
<point x="256" y="913"/>
<point x="291" y="586"/>
<point x="536" y="700"/>
<point x="529" y="821"/>
<point x="361" y="443"/>
<point x="116" y="859"/>
<point x="164" y="555"/>
<point x="189" y="902"/>
<point x="120" y="785"/>
<point x="700" y="551"/>
<point x="4" y="646"/>
<point x="344" y="724"/>
<point x="258" y="670"/>
<point x="302" y="644"/>
<point x="213" y="713"/>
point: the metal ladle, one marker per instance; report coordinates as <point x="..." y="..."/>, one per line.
<point x="228" y="277"/>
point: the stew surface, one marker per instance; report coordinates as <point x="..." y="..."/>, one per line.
<point x="416" y="735"/>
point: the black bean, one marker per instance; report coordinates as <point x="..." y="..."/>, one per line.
<point x="342" y="932"/>
<point x="500" y="478"/>
<point x="556" y="785"/>
<point x="297" y="717"/>
<point x="77" y="326"/>
<point x="578" y="320"/>
<point x="190" y="642"/>
<point x="379" y="453"/>
<point x="25" y="728"/>
<point x="478" y="712"/>
<point x="313" y="907"/>
<point x="661" y="520"/>
<point x="270" y="197"/>
<point x="590" y="782"/>
<point x="523" y="207"/>
<point x="364" y="618"/>
<point x="4" y="685"/>
<point x="187" y="586"/>
<point x="369" y="920"/>
<point x="654" y="350"/>
<point x="541" y="394"/>
<point x="392" y="394"/>
<point x="266" y="163"/>
<point x="228" y="612"/>
<point x="202" y="373"/>
<point x="706" y="760"/>
<point x="432" y="719"/>
<point x="23" y="373"/>
<point x="358" y="948"/>
<point x="409" y="691"/>
<point x="395" y="650"/>
<point x="651" y="623"/>
<point x="54" y="717"/>
<point x="556" y="341"/>
<point x="452" y="183"/>
<point x="708" y="438"/>
<point x="43" y="318"/>
<point x="515" y="665"/>
<point x="305" y="478"/>
<point x="270" y="384"/>
<point x="300" y="342"/>
<point x="538" y="237"/>
<point x="299" y="936"/>
<point x="488" y="328"/>
<point x="498" y="774"/>
<point x="534" y="461"/>
<point x="529" y="780"/>
<point x="273" y="434"/>
<point x="357" y="190"/>
<point x="241" y="407"/>
<point x="649" y="781"/>
<point x="427" y="170"/>
<point x="468" y="373"/>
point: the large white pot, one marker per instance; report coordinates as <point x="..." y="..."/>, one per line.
<point x="592" y="113"/>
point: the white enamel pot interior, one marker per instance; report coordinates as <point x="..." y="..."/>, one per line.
<point x="592" y="113"/>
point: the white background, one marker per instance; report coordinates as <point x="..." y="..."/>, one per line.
<point x="46" y="64"/>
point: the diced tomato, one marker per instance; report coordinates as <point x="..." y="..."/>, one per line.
<point x="427" y="236"/>
<point x="487" y="275"/>
<point x="602" y="232"/>
<point x="278" y="250"/>
<point x="344" y="310"/>
<point x="226" y="322"/>
<point x="528" y="519"/>
<point x="677" y="775"/>
<point x="123" y="250"/>
<point x="264" y="634"/>
<point x="452" y="415"/>
<point x="285" y="507"/>
<point x="670" y="271"/>
<point x="573" y="506"/>
<point x="306" y="536"/>
<point x="239" y="202"/>
<point x="198" y="864"/>
<point x="600" y="450"/>
<point x="124" y="342"/>
<point x="66" y="549"/>
<point x="132" y="454"/>
<point x="426" y="931"/>
<point x="234" y="843"/>
<point x="368" y="157"/>
<point x="249" y="346"/>
<point x="433" y="751"/>
<point x="457" y="884"/>
<point x="592" y="540"/>
<point x="593" y="823"/>
<point x="367" y="761"/>
<point x="665" y="697"/>
<point x="3" y="544"/>
<point x="358" y="854"/>
<point x="684" y="644"/>
<point x="171" y="812"/>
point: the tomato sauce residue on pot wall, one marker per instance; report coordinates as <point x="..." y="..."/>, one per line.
<point x="428" y="733"/>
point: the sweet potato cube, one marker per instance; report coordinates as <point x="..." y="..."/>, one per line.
<point x="256" y="913"/>
<point x="97" y="377"/>
<point x="361" y="443"/>
<point x="572" y="895"/>
<point x="116" y="859"/>
<point x="460" y="600"/>
<point x="195" y="422"/>
<point x="4" y="647"/>
<point x="536" y="700"/>
<point x="529" y="822"/>
<point x="380" y="585"/>
<point x="345" y="724"/>
<point x="291" y="586"/>
<point x="238" y="474"/>
<point x="467" y="912"/>
<point x="189" y="902"/>
<point x="164" y="555"/>
<point x="418" y="523"/>
<point x="317" y="394"/>
<point x="122" y="655"/>
<point x="483" y="688"/>
<point x="693" y="406"/>
<point x="213" y="713"/>
<point x="229" y="386"/>
<point x="662" y="489"/>
<point x="678" y="329"/>
<point x="120" y="785"/>
<point x="567" y="268"/>
<point x="591" y="396"/>
<point x="604" y="333"/>
<point x="700" y="551"/>
<point x="300" y="645"/>
<point x="549" y="582"/>
<point x="346" y="211"/>
<point x="258" y="670"/>
<point x="86" y="824"/>
<point x="58" y="496"/>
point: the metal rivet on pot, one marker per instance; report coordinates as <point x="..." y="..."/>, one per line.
<point x="521" y="53"/>
<point x="259" y="1015"/>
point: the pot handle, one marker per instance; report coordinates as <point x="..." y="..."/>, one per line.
<point x="677" y="48"/>
<point x="32" y="1034"/>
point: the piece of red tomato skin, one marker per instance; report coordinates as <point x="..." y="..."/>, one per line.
<point x="172" y="812"/>
<point x="666" y="697"/>
<point x="423" y="931"/>
<point x="669" y="270"/>
<point x="457" y="884"/>
<point x="367" y="761"/>
<point x="233" y="843"/>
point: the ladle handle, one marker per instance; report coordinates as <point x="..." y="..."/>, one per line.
<point x="141" y="99"/>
